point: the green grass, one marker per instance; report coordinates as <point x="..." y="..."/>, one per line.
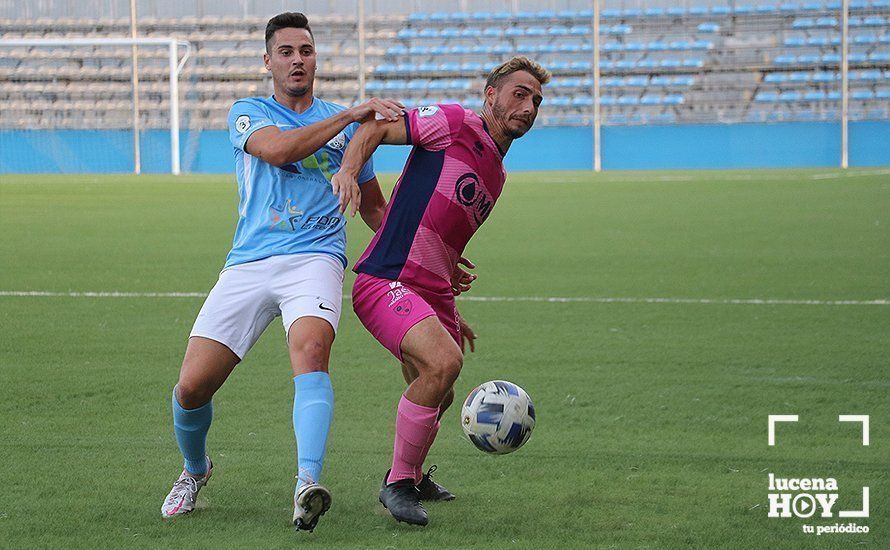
<point x="651" y="416"/>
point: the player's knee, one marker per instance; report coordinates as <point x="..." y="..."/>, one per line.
<point x="445" y="370"/>
<point x="311" y="355"/>
<point x="191" y="395"/>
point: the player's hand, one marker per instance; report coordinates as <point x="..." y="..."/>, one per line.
<point x="346" y="188"/>
<point x="466" y="335"/>
<point x="461" y="280"/>
<point x="381" y="109"/>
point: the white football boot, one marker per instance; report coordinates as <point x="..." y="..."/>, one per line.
<point x="184" y="494"/>
<point x="311" y="501"/>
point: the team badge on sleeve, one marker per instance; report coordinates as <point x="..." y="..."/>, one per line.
<point x="242" y="123"/>
<point x="429" y="110"/>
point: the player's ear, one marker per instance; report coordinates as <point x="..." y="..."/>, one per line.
<point x="266" y="60"/>
<point x="489" y="94"/>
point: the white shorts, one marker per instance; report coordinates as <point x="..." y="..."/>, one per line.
<point x="248" y="296"/>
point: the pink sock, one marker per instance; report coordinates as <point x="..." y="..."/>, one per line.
<point x="413" y="426"/>
<point x="418" y="473"/>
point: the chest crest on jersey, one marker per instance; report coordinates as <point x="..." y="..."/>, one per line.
<point x="470" y="192"/>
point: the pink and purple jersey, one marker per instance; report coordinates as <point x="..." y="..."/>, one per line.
<point x="446" y="191"/>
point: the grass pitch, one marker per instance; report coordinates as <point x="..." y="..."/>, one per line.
<point x="652" y="415"/>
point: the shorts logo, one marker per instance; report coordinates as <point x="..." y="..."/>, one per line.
<point x="396" y="292"/>
<point x="242" y="123"/>
<point x="338" y="142"/>
<point x="403" y="308"/>
<point x="470" y="192"/>
<point x="429" y="110"/>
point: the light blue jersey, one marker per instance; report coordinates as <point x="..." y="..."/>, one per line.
<point x="289" y="209"/>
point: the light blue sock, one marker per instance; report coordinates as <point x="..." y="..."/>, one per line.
<point x="313" y="410"/>
<point x="190" y="426"/>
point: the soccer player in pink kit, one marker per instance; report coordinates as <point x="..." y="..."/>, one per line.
<point x="404" y="291"/>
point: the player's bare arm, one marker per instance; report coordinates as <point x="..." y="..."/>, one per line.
<point x="372" y="204"/>
<point x="281" y="148"/>
<point x="367" y="138"/>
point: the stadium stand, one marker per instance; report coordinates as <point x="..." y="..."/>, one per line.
<point x="719" y="63"/>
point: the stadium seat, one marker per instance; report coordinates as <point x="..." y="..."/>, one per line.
<point x="449" y="33"/>
<point x="582" y="101"/>
<point x="657" y="46"/>
<point x="874" y="21"/>
<point x="569" y="47"/>
<point x="536" y="31"/>
<point x="493" y="32"/>
<point x="439" y="16"/>
<point x="397" y="50"/>
<point x="811" y="59"/>
<point x="567" y="14"/>
<point x="610" y="14"/>
<point x="693" y="63"/>
<point x="883" y="93"/>
<point x="680" y="45"/>
<point x="833" y="95"/>
<point x="790" y="96"/>
<point x="650" y="99"/>
<point x="862" y="94"/>
<point x="470" y="32"/>
<point x="608" y="100"/>
<point x="502" y="49"/>
<point x="418" y="50"/>
<point x="708" y="27"/>
<point x="867" y="76"/>
<point x="631" y="13"/>
<point x="676" y="11"/>
<point x="647" y="64"/>
<point x="788" y="7"/>
<point x="418" y="17"/>
<point x="814" y="96"/>
<point x="766" y="97"/>
<point x="558" y="101"/>
<point x="811" y="6"/>
<point x="795" y="41"/>
<point x="702" y="45"/>
<point x="405" y="68"/>
<point x="628" y="100"/>
<point x="418" y="84"/>
<point x="653" y="12"/>
<point x="879" y="57"/>
<point x="823" y="76"/>
<point x="580" y="65"/>
<point x="634" y="46"/>
<point x="502" y="16"/>
<point x="621" y="29"/>
<point x="480" y="16"/>
<point x="800" y="77"/>
<point x="699" y="10"/>
<point x="547" y="48"/>
<point x="449" y="67"/>
<point x="407" y="33"/>
<point x="526" y="15"/>
<point x="526" y="48"/>
<point x="611" y="82"/>
<point x="579" y="30"/>
<point x="391" y="85"/>
<point x="471" y="67"/>
<point x="440" y="50"/>
<point x="821" y="41"/>
<point x="720" y="9"/>
<point x="743" y="9"/>
<point x="803" y="23"/>
<point x="460" y="16"/>
<point x="766" y="8"/>
<point x="373" y="85"/>
<point x="557" y="31"/>
<point x="670" y="63"/>
<point x="865" y="39"/>
<point x="625" y="64"/>
<point x="559" y="66"/>
<point x="776" y="78"/>
<point x="428" y="32"/>
<point x="515" y="32"/>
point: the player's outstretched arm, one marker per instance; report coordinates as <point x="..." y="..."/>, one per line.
<point x="280" y="148"/>
<point x="367" y="138"/>
<point x="372" y="204"/>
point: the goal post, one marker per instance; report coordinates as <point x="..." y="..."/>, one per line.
<point x="174" y="62"/>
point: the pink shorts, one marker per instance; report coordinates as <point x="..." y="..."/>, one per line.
<point x="389" y="309"/>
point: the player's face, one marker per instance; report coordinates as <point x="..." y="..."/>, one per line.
<point x="515" y="102"/>
<point x="291" y="58"/>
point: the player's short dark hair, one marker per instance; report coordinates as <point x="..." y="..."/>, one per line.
<point x="286" y="20"/>
<point x="518" y="63"/>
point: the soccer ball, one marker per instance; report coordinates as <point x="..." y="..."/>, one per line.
<point x="498" y="417"/>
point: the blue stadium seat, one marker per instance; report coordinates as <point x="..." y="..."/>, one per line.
<point x="428" y="33"/>
<point x="545" y="14"/>
<point x="608" y="100"/>
<point x="418" y="84"/>
<point x="883" y="93"/>
<point x="569" y="47"/>
<point x="587" y="82"/>
<point x="470" y="32"/>
<point x="663" y="118"/>
<point x="373" y="85"/>
<point x="826" y="22"/>
<point x="418" y="17"/>
<point x="586" y="47"/>
<point x="557" y="31"/>
<point x="582" y="101"/>
<point x="634" y="46"/>
<point x="612" y="46"/>
<point x="621" y="29"/>
<point x="873" y="21"/>
<point x="385" y="68"/>
<point x="611" y="82"/>
<point x="766" y="8"/>
<point x="636" y="82"/>
<point x="650" y="99"/>
<point x="862" y="94"/>
<point x="624" y="64"/>
<point x="559" y="66"/>
<point x="439" y="16"/>
<point x="879" y="57"/>
<point x="699" y="10"/>
<point x="502" y="49"/>
<point x="653" y="12"/>
<point x="459" y="16"/>
<point x="811" y="6"/>
<point x="397" y="50"/>
<point x="661" y="81"/>
<point x="449" y="67"/>
<point x="790" y="96"/>
<point x="776" y="78"/>
<point x="536" y="31"/>
<point x="708" y="27"/>
<point x="885" y="39"/>
<point x="480" y="16"/>
<point x="867" y="76"/>
<point x="865" y="39"/>
<point x="823" y="76"/>
<point x="493" y="32"/>
<point x="693" y="63"/>
<point x="547" y="48"/>
<point x="814" y="96"/>
<point x="585" y="14"/>
<point x="628" y="100"/>
<point x="579" y="30"/>
<point x="515" y="31"/>
<point x="702" y="45"/>
<point x="657" y="46"/>
<point x="471" y="67"/>
<point x="406" y="67"/>
<point x="407" y="33"/>
<point x="684" y="80"/>
<point x="502" y="16"/>
<point x="820" y="41"/>
<point x="856" y="57"/>
<point x="788" y="7"/>
<point x="461" y="84"/>
<point x="418" y="50"/>
<point x="800" y="77"/>
<point x="670" y="63"/>
<point x="812" y="59"/>
<point x="833" y="95"/>
<point x="647" y="64"/>
<point x="858" y="4"/>
<point x="676" y="11"/>
<point x="803" y="23"/>
<point x="427" y="68"/>
<point x="391" y="85"/>
<point x="580" y="65"/>
<point x="473" y="102"/>
<point x="794" y="41"/>
<point x="680" y="45"/>
<point x="481" y="49"/>
<point x="526" y="48"/>
<point x="567" y="14"/>
<point x="526" y="15"/>
<point x="880" y="3"/>
<point x="855" y="21"/>
<point x="558" y="101"/>
<point x="438" y="84"/>
<point x="766" y="97"/>
<point x="744" y="9"/>
<point x="630" y="13"/>
<point x="459" y="49"/>
<point x="610" y="14"/>
<point x="572" y="82"/>
<point x="439" y="50"/>
<point x="449" y="33"/>
<point x="720" y="9"/>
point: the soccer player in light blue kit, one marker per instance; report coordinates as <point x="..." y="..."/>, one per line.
<point x="287" y="259"/>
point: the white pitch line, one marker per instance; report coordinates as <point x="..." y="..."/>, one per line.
<point x="465" y="298"/>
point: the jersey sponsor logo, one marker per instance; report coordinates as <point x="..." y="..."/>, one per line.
<point x="338" y="142"/>
<point x="242" y="123"/>
<point x="429" y="110"/>
<point x="320" y="223"/>
<point x="286" y="217"/>
<point x="470" y="193"/>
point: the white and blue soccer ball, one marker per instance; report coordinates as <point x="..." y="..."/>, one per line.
<point x="498" y="417"/>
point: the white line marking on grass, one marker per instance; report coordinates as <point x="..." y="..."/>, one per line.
<point x="854" y="174"/>
<point x="464" y="298"/>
